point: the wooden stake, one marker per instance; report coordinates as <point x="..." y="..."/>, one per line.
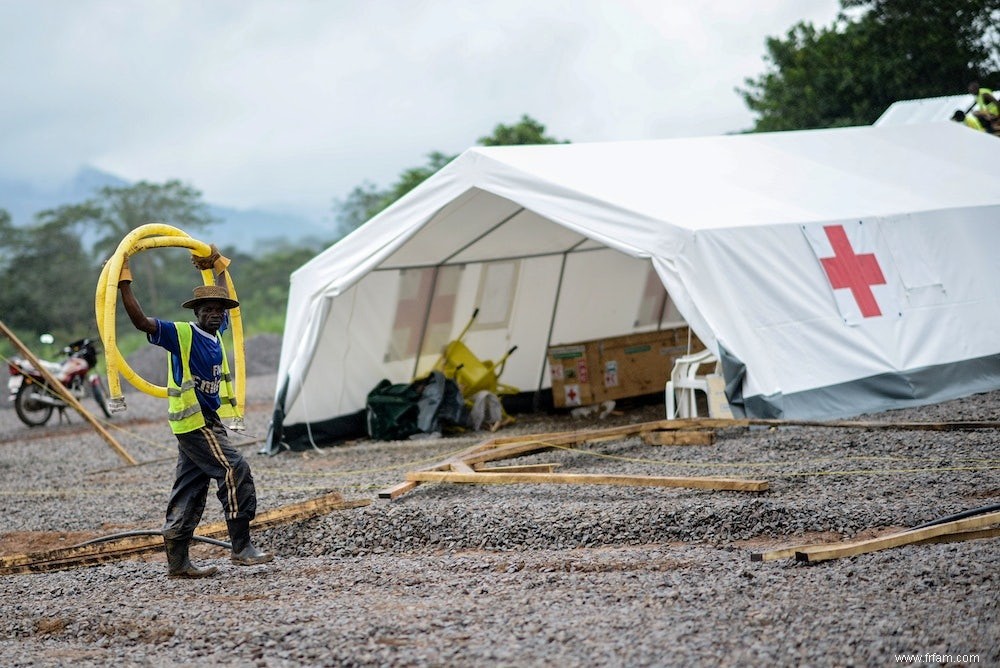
<point x="67" y="396"/>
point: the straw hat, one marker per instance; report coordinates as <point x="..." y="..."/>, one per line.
<point x="206" y="293"/>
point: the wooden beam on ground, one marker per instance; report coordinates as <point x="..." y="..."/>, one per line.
<point x="958" y="536"/>
<point x="816" y="553"/>
<point x="55" y="385"/>
<point x="397" y="491"/>
<point x="585" y="435"/>
<point x="678" y="437"/>
<point x="731" y="484"/>
<point x="461" y="467"/>
<point x="95" y="553"/>
<point x="524" y="468"/>
<point x="505" y="452"/>
<point x="509" y="447"/>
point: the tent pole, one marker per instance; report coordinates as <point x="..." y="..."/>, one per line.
<point x="663" y="304"/>
<point x="552" y="324"/>
<point x="481" y="237"/>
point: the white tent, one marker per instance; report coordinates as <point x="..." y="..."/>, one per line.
<point x="835" y="272"/>
<point x="926" y="110"/>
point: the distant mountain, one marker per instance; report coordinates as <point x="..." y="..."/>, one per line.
<point x="249" y="229"/>
<point x="246" y="229"/>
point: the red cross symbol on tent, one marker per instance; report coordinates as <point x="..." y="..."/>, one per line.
<point x="857" y="273"/>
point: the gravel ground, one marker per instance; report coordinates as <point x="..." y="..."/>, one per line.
<point x="516" y="574"/>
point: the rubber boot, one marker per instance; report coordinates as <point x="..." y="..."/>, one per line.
<point x="244" y="552"/>
<point x="179" y="563"/>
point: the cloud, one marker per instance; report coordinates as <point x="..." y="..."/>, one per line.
<point x="257" y="102"/>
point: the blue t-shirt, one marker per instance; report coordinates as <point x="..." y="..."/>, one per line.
<point x="205" y="362"/>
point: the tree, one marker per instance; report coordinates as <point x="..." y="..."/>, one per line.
<point x="117" y="210"/>
<point x="46" y="279"/>
<point x="263" y="283"/>
<point x="884" y="51"/>
<point x="526" y="132"/>
<point x="366" y="200"/>
<point x="9" y="238"/>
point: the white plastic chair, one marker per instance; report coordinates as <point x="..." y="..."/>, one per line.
<point x="685" y="381"/>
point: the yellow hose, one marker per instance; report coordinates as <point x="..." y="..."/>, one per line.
<point x="145" y="237"/>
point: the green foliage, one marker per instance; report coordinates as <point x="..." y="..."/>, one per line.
<point x="880" y="52"/>
<point x="41" y="276"/>
<point x="50" y="278"/>
<point x="262" y="282"/>
<point x="117" y="210"/>
<point x="366" y="200"/>
<point x="527" y="131"/>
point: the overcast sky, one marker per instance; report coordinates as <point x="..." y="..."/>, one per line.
<point x="292" y="103"/>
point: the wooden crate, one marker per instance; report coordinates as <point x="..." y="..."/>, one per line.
<point x="589" y="372"/>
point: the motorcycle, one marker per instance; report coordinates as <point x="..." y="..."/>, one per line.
<point x="35" y="401"/>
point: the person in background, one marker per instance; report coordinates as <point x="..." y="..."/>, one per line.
<point x="987" y="109"/>
<point x="968" y="120"/>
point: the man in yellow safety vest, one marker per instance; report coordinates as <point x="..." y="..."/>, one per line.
<point x="987" y="109"/>
<point x="199" y="390"/>
<point x="968" y="120"/>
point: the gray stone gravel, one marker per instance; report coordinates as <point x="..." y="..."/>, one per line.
<point x="517" y="574"/>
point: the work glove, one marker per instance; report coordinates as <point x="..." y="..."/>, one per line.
<point x="126" y="274"/>
<point x="214" y="260"/>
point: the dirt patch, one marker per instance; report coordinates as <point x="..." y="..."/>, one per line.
<point x="50" y="626"/>
<point x="811" y="538"/>
<point x="28" y="542"/>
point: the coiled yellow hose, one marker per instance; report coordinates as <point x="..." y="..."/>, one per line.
<point x="154" y="235"/>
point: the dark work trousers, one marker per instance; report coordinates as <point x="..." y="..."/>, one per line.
<point x="205" y="454"/>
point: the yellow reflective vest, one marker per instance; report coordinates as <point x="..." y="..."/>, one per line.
<point x="983" y="105"/>
<point x="974" y="123"/>
<point x="184" y="411"/>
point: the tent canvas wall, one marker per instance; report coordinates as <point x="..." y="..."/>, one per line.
<point x="835" y="271"/>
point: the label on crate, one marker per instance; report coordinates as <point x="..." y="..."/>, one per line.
<point x="611" y="373"/>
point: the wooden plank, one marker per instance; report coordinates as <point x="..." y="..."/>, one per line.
<point x="80" y="555"/>
<point x="678" y="437"/>
<point x="67" y="396"/>
<point x="581" y="435"/>
<point x="524" y="468"/>
<point x="461" y="467"/>
<point x="959" y="536"/>
<point x="902" y="426"/>
<point x="816" y="553"/>
<point x="780" y="553"/>
<point x="732" y="484"/>
<point x="505" y="452"/>
<point x="397" y="491"/>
